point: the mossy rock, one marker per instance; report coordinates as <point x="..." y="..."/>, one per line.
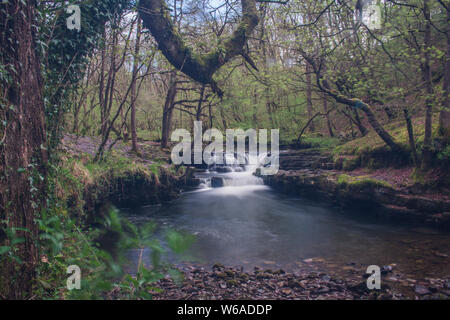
<point x="355" y="183"/>
<point x="350" y="164"/>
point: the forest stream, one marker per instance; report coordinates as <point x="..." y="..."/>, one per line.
<point x="245" y="223"/>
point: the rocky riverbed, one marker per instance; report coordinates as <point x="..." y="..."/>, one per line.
<point x="232" y="283"/>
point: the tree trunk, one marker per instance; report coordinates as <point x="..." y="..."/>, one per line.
<point x="198" y="114"/>
<point x="356" y="103"/>
<point x="444" y="125"/>
<point x="309" y="96"/>
<point x="412" y="143"/>
<point x="327" y="117"/>
<point x="427" y="152"/>
<point x="134" y="146"/>
<point x="358" y="123"/>
<point x="23" y="155"/>
<point x="168" y="110"/>
<point x="101" y="90"/>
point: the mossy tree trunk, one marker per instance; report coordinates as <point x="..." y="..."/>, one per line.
<point x="23" y="155"/>
<point x="444" y="116"/>
<point x="155" y="17"/>
<point x="426" y="70"/>
<point x="325" y="87"/>
<point x="357" y="103"/>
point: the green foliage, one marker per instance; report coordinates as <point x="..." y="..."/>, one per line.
<point x="67" y="238"/>
<point x="154" y="167"/>
<point x="65" y="53"/>
<point x="325" y="143"/>
<point x="64" y="244"/>
<point x="13" y="240"/>
<point x="444" y="155"/>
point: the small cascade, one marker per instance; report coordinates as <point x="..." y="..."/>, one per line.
<point x="230" y="170"/>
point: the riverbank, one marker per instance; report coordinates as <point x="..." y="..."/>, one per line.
<point x="123" y="178"/>
<point x="232" y="283"/>
<point x="390" y="192"/>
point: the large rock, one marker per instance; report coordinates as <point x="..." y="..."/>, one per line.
<point x="224" y="169"/>
<point x="304" y="159"/>
<point x="217" y="182"/>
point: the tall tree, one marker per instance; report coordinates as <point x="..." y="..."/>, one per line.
<point x="23" y="154"/>
<point x="134" y="146"/>
<point x="309" y="104"/>
<point x="426" y="70"/>
<point x="169" y="105"/>
<point x="444" y="115"/>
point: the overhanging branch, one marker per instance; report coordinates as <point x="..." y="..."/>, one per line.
<point x="155" y="16"/>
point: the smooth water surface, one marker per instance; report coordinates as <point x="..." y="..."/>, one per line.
<point x="247" y="223"/>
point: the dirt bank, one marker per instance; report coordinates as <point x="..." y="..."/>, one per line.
<point x="123" y="178"/>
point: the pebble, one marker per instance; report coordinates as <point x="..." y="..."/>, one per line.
<point x="422" y="290"/>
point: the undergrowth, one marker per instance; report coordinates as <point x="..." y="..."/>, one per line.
<point x="99" y="249"/>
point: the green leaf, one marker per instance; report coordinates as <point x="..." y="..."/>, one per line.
<point x="4" y="249"/>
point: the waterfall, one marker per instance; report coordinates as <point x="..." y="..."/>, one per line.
<point x="233" y="170"/>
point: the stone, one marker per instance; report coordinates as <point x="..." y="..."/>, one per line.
<point x="326" y="278"/>
<point x="286" y="291"/>
<point x="217" y="182"/>
<point x="421" y="290"/>
<point x="294" y="284"/>
<point x="224" y="169"/>
<point x="218" y="266"/>
<point x="386" y="269"/>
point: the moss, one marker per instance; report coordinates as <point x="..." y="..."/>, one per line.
<point x="398" y="130"/>
<point x="343" y="179"/>
<point x="349" y="164"/>
<point x="83" y="185"/>
<point x="360" y="182"/>
<point x="232" y="283"/>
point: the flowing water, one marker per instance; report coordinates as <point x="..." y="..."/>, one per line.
<point x="247" y="223"/>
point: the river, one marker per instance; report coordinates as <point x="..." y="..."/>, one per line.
<point x="247" y="223"/>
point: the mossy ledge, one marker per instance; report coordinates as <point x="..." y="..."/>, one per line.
<point x="364" y="195"/>
<point x="87" y="187"/>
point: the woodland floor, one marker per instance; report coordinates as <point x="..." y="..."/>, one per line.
<point x="150" y="152"/>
